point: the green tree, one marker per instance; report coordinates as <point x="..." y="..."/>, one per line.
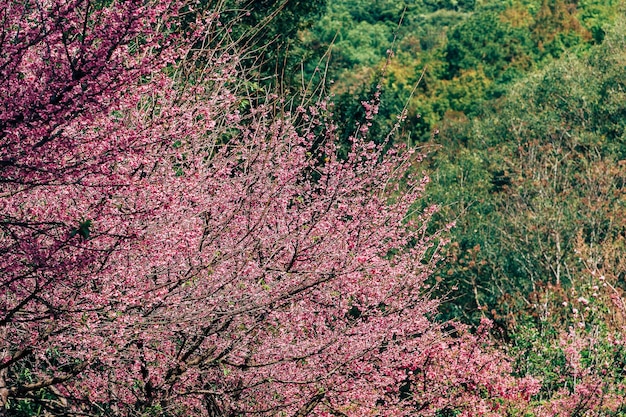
<point x="484" y="40"/>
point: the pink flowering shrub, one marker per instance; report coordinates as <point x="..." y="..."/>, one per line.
<point x="467" y="375"/>
<point x="169" y="246"/>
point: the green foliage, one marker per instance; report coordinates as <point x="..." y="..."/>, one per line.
<point x="268" y="30"/>
<point x="485" y="41"/>
<point x="595" y="14"/>
<point x="459" y="5"/>
<point x="526" y="179"/>
<point x="357" y="33"/>
<point x="83" y="230"/>
<point x="470" y="53"/>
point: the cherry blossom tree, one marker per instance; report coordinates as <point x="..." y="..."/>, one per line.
<point x="70" y="75"/>
<point x="168" y="249"/>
